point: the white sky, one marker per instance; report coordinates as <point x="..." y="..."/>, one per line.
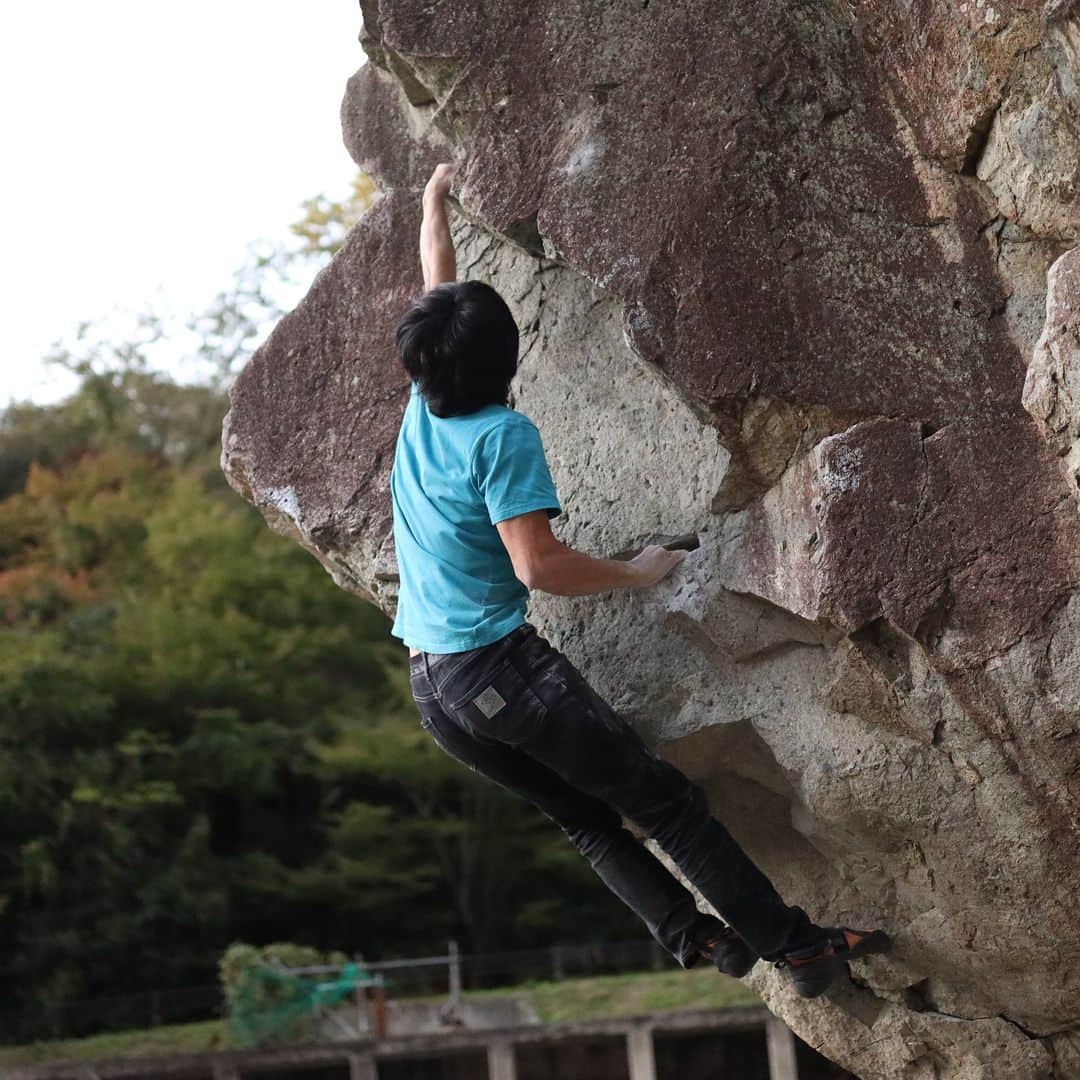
<point x="146" y="144"/>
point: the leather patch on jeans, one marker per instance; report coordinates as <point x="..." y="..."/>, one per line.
<point x="489" y="701"/>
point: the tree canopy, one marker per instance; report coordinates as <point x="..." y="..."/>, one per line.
<point x="202" y="739"/>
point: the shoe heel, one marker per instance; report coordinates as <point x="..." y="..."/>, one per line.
<point x="813" y="978"/>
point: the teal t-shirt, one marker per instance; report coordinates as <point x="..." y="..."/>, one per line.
<point x="452" y="479"/>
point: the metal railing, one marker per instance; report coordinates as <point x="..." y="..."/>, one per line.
<point x="445" y="973"/>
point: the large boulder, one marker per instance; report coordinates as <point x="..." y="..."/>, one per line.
<point x="781" y="275"/>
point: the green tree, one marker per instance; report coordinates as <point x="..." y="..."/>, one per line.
<point x="202" y="738"/>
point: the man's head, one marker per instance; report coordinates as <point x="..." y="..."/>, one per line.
<point x="460" y="343"/>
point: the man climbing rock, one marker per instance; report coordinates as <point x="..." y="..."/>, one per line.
<point x="472" y="497"/>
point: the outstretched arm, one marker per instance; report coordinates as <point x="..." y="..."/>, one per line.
<point x="542" y="562"/>
<point x="436" y="247"/>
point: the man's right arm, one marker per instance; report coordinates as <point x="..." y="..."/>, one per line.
<point x="541" y="561"/>
<point x="437" y="259"/>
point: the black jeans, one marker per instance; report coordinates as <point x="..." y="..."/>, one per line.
<point x="519" y="712"/>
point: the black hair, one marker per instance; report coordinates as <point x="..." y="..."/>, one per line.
<point x="459" y="342"/>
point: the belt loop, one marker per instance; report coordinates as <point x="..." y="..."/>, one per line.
<point x="427" y="667"/>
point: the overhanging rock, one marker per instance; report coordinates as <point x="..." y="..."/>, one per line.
<point x="780" y="272"/>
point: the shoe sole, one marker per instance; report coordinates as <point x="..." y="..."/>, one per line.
<point x="817" y="976"/>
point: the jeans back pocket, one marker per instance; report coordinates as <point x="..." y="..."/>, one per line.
<point x="499" y="703"/>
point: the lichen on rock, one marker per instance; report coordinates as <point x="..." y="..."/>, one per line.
<point x="799" y="282"/>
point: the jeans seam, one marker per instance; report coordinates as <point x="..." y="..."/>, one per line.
<point x="510" y="652"/>
<point x="532" y="671"/>
<point x="449" y="674"/>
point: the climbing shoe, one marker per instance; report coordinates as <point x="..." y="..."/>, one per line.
<point x="814" y="967"/>
<point x="727" y="951"/>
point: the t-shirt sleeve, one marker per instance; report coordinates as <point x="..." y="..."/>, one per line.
<point x="511" y="472"/>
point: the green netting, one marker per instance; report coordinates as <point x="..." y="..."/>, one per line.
<point x="274" y="1005"/>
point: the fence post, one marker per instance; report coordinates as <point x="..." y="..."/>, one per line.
<point x="378" y="1000"/>
<point x="454" y="960"/>
<point x="558" y="970"/>
<point x="362" y="1020"/>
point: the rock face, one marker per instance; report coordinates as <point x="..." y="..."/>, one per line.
<point x="801" y="280"/>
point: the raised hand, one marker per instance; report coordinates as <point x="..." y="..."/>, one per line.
<point x="438" y="187"/>
<point x="437" y="258"/>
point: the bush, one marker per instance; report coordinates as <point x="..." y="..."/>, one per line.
<point x="266" y="1005"/>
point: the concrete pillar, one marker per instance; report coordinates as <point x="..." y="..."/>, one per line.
<point x="639" y="1051"/>
<point x="501" y="1064"/>
<point x="781" y="1046"/>
<point x="362" y="1067"/>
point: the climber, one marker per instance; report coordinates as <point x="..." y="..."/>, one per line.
<point x="472" y="496"/>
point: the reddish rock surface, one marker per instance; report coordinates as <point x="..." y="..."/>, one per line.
<point x="805" y="248"/>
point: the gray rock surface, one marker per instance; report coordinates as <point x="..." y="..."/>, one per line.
<point x="781" y="272"/>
